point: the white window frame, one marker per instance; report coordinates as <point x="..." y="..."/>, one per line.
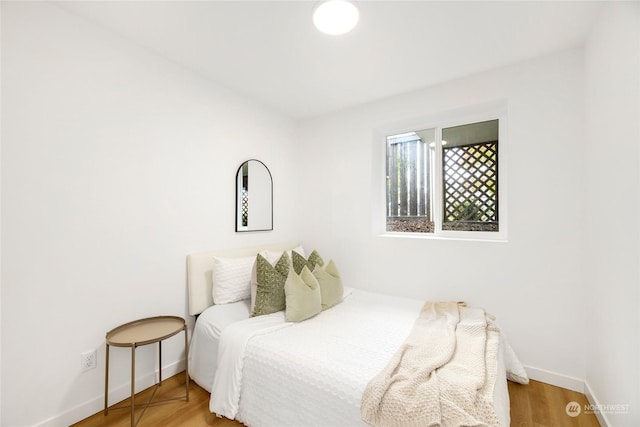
<point x="492" y="111"/>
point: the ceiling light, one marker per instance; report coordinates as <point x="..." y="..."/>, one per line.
<point x="335" y="17"/>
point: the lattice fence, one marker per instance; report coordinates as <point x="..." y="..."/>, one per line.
<point x="471" y="184"/>
<point x="245" y="208"/>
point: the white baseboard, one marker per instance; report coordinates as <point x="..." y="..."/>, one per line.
<point x="556" y="379"/>
<point x="116" y="395"/>
<point x="602" y="418"/>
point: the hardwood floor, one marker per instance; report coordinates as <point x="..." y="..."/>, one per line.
<point x="538" y="404"/>
<point x="535" y="405"/>
<point x="173" y="414"/>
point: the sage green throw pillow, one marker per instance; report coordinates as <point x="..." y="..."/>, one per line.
<point x="331" y="289"/>
<point x="299" y="261"/>
<point x="302" y="295"/>
<point x="270" y="296"/>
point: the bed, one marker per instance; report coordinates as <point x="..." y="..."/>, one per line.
<point x="265" y="371"/>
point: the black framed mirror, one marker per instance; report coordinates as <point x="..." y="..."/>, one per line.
<point x="254" y="197"/>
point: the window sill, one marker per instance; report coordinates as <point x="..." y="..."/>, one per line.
<point x="429" y="236"/>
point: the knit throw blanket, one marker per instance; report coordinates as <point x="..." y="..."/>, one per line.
<point x="442" y="375"/>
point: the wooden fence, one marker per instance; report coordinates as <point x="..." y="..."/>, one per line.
<point x="470" y="182"/>
<point x="409" y="179"/>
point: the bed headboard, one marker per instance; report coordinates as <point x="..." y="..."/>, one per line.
<point x="199" y="272"/>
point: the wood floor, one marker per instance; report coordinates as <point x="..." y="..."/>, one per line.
<point x="538" y="404"/>
<point x="535" y="405"/>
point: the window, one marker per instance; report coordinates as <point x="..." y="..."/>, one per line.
<point x="444" y="179"/>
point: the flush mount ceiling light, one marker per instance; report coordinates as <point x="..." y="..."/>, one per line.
<point x="335" y="17"/>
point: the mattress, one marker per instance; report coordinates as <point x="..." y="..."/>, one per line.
<point x="311" y="373"/>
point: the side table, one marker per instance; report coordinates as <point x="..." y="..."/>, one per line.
<point x="142" y="332"/>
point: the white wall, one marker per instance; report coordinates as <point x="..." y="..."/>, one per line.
<point x="613" y="123"/>
<point x="535" y="283"/>
<point x="115" y="165"/>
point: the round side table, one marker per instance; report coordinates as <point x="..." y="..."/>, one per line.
<point x="143" y="332"/>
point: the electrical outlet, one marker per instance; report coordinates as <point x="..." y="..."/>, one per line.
<point x="88" y="360"/>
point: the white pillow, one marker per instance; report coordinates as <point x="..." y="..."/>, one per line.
<point x="231" y="279"/>
<point x="272" y="257"/>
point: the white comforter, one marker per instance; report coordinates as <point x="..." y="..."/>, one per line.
<point x="313" y="373"/>
<point x="231" y="355"/>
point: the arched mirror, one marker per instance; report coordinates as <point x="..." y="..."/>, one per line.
<point x="254" y="197"/>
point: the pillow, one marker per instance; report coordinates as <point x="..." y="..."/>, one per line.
<point x="299" y="261"/>
<point x="331" y="289"/>
<point x="231" y="279"/>
<point x="272" y="257"/>
<point x="270" y="296"/>
<point x="302" y="294"/>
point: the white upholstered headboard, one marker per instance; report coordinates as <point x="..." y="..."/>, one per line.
<point x="199" y="268"/>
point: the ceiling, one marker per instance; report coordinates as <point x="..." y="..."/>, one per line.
<point x="270" y="51"/>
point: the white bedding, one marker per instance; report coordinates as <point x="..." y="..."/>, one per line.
<point x="203" y="350"/>
<point x="312" y="373"/>
<point x="227" y="384"/>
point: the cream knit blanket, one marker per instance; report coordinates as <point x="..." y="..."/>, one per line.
<point x="442" y="375"/>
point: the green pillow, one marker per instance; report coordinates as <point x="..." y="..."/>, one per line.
<point x="270" y="296"/>
<point x="299" y="261"/>
<point x="303" y="296"/>
<point x="331" y="289"/>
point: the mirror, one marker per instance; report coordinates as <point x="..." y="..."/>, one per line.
<point x="254" y="197"/>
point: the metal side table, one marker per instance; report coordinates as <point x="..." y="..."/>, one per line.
<point x="142" y="332"/>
